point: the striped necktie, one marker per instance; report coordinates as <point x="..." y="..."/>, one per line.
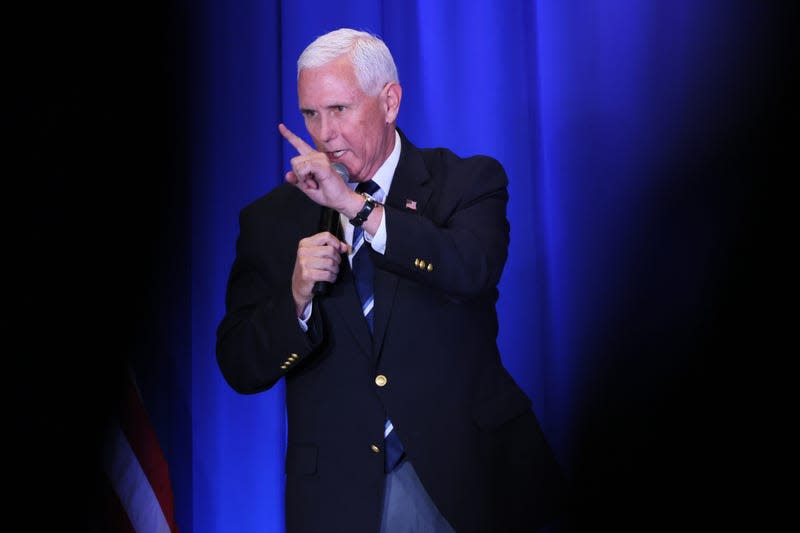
<point x="364" y="273"/>
<point x="363" y="269"/>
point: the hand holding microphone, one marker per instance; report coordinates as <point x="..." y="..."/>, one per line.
<point x="330" y="223"/>
<point x="318" y="257"/>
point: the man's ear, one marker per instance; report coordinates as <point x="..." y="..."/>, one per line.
<point x="392" y="94"/>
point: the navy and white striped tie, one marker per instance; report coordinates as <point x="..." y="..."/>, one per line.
<point x="363" y="269"/>
<point x="364" y="273"/>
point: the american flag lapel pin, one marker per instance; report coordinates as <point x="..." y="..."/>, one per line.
<point x="411" y="204"/>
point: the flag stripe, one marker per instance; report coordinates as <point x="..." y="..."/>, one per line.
<point x="135" y="424"/>
<point x="116" y="516"/>
<point x="132" y="486"/>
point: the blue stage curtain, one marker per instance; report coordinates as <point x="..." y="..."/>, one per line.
<point x="591" y="107"/>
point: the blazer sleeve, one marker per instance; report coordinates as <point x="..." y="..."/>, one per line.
<point x="259" y="340"/>
<point x="459" y="245"/>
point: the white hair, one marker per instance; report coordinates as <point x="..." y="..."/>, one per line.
<point x="369" y="55"/>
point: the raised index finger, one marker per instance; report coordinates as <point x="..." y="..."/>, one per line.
<point x="300" y="145"/>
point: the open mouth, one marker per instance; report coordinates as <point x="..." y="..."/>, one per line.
<point x="333" y="156"/>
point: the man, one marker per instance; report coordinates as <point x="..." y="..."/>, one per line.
<point x="401" y="415"/>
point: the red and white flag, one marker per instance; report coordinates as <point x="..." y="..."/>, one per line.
<point x="137" y="470"/>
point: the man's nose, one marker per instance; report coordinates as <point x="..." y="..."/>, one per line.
<point x="327" y="128"/>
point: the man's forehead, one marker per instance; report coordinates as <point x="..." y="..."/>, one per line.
<point x="328" y="85"/>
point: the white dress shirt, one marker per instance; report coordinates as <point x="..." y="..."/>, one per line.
<point x="383" y="177"/>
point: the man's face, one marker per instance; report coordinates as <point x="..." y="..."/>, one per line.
<point x="345" y="123"/>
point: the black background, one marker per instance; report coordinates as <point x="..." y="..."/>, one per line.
<point x="96" y="220"/>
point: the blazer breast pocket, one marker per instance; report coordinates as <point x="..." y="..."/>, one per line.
<point x="301" y="459"/>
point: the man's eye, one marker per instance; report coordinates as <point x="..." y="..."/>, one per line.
<point x="339" y="108"/>
<point x="308" y="113"/>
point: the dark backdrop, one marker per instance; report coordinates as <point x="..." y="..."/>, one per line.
<point x="95" y="211"/>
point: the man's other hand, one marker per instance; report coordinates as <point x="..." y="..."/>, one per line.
<point x="318" y="259"/>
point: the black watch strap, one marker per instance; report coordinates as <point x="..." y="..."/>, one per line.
<point x="361" y="216"/>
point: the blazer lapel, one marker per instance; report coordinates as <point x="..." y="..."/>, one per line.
<point x="344" y="303"/>
<point x="344" y="298"/>
<point x="410" y="184"/>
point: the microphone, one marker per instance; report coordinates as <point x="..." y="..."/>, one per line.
<point x="342" y="171"/>
<point x="329" y="221"/>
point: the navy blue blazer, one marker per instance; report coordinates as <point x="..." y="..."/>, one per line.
<point x="466" y="426"/>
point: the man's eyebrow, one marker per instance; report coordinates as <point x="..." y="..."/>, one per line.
<point x="331" y="106"/>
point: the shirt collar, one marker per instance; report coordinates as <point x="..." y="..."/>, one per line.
<point x="385" y="174"/>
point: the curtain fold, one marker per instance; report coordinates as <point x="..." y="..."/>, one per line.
<point x="609" y="118"/>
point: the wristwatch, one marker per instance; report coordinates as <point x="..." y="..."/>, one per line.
<point x="369" y="205"/>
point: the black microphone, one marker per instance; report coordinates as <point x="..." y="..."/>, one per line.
<point x="329" y="221"/>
